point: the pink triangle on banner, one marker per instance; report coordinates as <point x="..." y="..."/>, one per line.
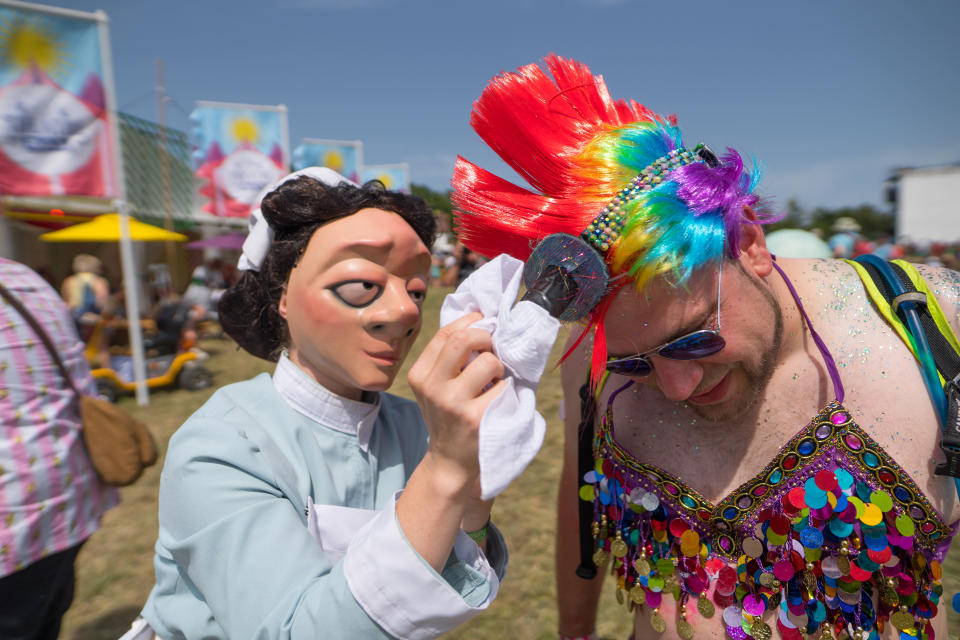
<point x="92" y="93"/>
<point x="276" y="154"/>
<point x="214" y="153"/>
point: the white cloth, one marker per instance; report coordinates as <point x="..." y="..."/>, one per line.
<point x="259" y="233"/>
<point x="511" y="430"/>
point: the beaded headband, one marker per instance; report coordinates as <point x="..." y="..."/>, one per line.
<point x="603" y="231"/>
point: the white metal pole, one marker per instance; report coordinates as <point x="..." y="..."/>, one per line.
<point x="132" y="294"/>
<point x="131" y="283"/>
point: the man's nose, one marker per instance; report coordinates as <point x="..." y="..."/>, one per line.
<point x="676" y="379"/>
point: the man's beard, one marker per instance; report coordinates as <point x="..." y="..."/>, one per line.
<point x="757" y="373"/>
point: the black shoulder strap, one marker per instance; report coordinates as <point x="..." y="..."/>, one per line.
<point x="945" y="358"/>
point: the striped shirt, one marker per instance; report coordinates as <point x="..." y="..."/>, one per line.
<point x="50" y="497"/>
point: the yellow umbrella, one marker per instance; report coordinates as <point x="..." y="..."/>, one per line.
<point x="106" y="228"/>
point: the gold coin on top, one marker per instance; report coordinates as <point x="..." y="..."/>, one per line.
<point x="902" y="620"/>
<point x="618" y="548"/>
<point x="638" y="595"/>
<point x="761" y="630"/>
<point x="642" y="565"/>
<point x="600" y="558"/>
<point x="705" y="607"/>
<point x="767" y="579"/>
<point x="620" y="598"/>
<point x="657" y="623"/>
<point x="685" y="629"/>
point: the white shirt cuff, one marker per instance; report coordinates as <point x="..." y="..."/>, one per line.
<point x="402" y="593"/>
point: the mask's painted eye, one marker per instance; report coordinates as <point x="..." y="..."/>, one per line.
<point x="357" y="293"/>
<point x="418" y="295"/>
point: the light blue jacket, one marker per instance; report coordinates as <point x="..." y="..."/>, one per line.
<point x="234" y="558"/>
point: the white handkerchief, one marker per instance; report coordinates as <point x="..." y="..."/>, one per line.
<point x="511" y="430"/>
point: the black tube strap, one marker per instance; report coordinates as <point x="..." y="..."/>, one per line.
<point x="585" y="462"/>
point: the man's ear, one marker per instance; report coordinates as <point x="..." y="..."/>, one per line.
<point x="753" y="245"/>
<point x="282" y="305"/>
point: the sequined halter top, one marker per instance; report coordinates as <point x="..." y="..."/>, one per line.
<point x="832" y="534"/>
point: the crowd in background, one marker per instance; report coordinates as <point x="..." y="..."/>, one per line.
<point x="848" y="241"/>
<point x="452" y="262"/>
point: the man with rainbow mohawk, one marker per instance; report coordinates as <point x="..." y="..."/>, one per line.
<point x="693" y="470"/>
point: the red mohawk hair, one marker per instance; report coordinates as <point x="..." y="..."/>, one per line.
<point x="538" y="125"/>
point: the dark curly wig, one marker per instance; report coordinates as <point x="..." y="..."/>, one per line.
<point x="295" y="210"/>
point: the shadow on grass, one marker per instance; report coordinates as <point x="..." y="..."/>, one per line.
<point x="109" y="626"/>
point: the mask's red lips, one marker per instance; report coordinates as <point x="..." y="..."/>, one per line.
<point x="713" y="395"/>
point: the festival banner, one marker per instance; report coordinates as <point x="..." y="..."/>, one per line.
<point x="241" y="148"/>
<point x="343" y="156"/>
<point x="56" y="103"/>
<point x="395" y="177"/>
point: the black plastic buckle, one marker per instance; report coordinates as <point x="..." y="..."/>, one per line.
<point x="950" y="443"/>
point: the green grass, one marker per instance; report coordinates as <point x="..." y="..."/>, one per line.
<point x="115" y="570"/>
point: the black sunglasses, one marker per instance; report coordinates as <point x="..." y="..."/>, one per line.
<point x="692" y="346"/>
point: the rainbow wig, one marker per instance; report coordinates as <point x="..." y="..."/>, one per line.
<point x="582" y="152"/>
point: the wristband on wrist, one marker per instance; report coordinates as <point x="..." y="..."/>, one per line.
<point x="480" y="534"/>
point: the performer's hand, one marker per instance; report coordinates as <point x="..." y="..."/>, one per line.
<point x="455" y="379"/>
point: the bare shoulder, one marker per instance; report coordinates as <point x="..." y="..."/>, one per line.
<point x="827" y="281"/>
<point x="945" y="285"/>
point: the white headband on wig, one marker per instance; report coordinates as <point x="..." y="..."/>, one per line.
<point x="259" y="233"/>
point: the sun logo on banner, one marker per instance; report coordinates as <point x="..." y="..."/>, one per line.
<point x="25" y="43"/>
<point x="386" y="180"/>
<point x="333" y="160"/>
<point x="245" y="130"/>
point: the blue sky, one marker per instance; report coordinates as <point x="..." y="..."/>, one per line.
<point x="829" y="96"/>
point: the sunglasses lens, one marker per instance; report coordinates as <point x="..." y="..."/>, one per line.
<point x="696" y="345"/>
<point x="635" y="366"/>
